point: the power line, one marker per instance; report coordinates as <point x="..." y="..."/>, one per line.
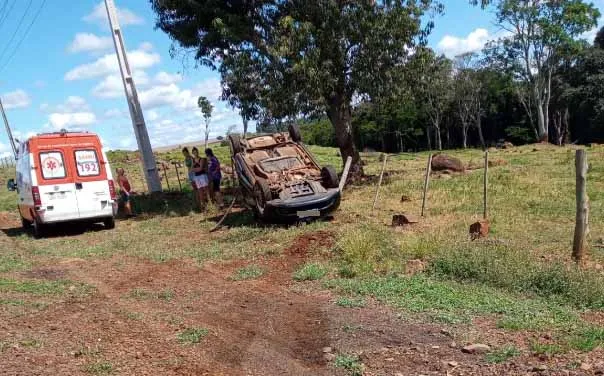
<point x="3" y="8"/>
<point x="24" y="35"/>
<point x="16" y="30"/>
<point x="2" y="19"/>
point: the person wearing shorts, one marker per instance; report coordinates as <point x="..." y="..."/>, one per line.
<point x="200" y="178"/>
<point x="125" y="191"/>
<point x="215" y="177"/>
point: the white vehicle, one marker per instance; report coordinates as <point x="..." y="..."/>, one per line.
<point x="64" y="177"/>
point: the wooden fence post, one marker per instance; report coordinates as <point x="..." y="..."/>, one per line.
<point x="345" y="174"/>
<point x="426" y="182"/>
<point x="377" y="189"/>
<point x="581" y="221"/>
<point x="485" y="184"/>
<point x="176" y="165"/>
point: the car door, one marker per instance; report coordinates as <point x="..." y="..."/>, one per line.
<point x="55" y="185"/>
<point x="91" y="186"/>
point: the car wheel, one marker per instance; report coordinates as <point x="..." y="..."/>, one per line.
<point x="294" y="133"/>
<point x="25" y="223"/>
<point x="262" y="194"/>
<point x="235" y="143"/>
<point x="38" y="229"/>
<point x="329" y="177"/>
<point x="109" y="223"/>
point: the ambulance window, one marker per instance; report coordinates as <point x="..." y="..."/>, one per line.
<point x="52" y="166"/>
<point x="87" y="163"/>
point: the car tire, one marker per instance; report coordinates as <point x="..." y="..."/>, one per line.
<point x="38" y="229"/>
<point x="25" y="223"/>
<point x="262" y="194"/>
<point x="294" y="133"/>
<point x="235" y="143"/>
<point x="109" y="223"/>
<point x="329" y="177"/>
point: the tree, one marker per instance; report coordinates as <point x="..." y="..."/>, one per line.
<point x="541" y="33"/>
<point x="206" y="110"/>
<point x="310" y="56"/>
<point x="433" y="84"/>
<point x="467" y="94"/>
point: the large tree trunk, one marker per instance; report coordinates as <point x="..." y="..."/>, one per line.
<point x="541" y="121"/>
<point x="480" y="135"/>
<point x="437" y="139"/>
<point x="339" y="113"/>
<point x="464" y="133"/>
<point x="245" y="124"/>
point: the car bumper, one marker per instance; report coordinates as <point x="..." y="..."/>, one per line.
<point x="289" y="210"/>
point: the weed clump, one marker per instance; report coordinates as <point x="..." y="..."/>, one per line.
<point x="367" y="250"/>
<point x="515" y="271"/>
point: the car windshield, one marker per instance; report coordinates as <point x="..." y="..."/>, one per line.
<point x="280" y="164"/>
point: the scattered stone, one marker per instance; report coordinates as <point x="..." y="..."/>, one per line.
<point x="479" y="229"/>
<point x="477" y="348"/>
<point x="435" y="347"/>
<point x="405" y="198"/>
<point x="453" y="345"/>
<point x="329" y="357"/>
<point x="507" y="145"/>
<point x="453" y="363"/>
<point x="539" y="368"/>
<point x="403" y="219"/>
<point x="412" y="267"/>
<point x="327" y="349"/>
<point x="585" y="367"/>
<point x="389" y="360"/>
<point x="442" y="162"/>
<point x="72" y="288"/>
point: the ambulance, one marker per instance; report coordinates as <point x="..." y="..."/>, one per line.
<point x="64" y="177"/>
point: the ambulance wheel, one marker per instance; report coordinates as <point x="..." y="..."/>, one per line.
<point x="109" y="223"/>
<point x="25" y="223"/>
<point x="38" y="229"/>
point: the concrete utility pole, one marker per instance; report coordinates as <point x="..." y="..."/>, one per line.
<point x="136" y="113"/>
<point x="8" y="131"/>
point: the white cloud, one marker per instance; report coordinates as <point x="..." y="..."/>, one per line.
<point x="74" y="113"/>
<point x="152" y="115"/>
<point x="113" y="113"/>
<point x="452" y="46"/>
<point x="164" y="78"/>
<point x="138" y="59"/>
<point x="125" y="16"/>
<point x="112" y="86"/>
<point x="87" y="42"/>
<point x="77" y="119"/>
<point x="16" y="99"/>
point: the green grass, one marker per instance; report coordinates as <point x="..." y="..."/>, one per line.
<point x="547" y="349"/>
<point x="502" y="354"/>
<point x="248" y="272"/>
<point x="346" y="302"/>
<point x="350" y="363"/>
<point x="13" y="262"/>
<point x="142" y="294"/>
<point x="99" y="368"/>
<point x="310" y="272"/>
<point x="192" y="336"/>
<point x="36" y="287"/>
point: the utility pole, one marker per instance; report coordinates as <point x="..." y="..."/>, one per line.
<point x="8" y="131"/>
<point x="136" y="113"/>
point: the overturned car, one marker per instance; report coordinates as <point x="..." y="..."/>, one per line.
<point x="281" y="180"/>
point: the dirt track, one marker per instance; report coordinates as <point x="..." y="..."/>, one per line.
<point x="268" y="326"/>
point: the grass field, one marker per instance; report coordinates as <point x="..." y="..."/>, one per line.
<point x="191" y="301"/>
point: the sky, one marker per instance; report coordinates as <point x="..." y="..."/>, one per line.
<point x="58" y="70"/>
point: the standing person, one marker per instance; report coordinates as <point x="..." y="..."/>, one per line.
<point x="125" y="191"/>
<point x="215" y="176"/>
<point x="190" y="173"/>
<point x="200" y="170"/>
